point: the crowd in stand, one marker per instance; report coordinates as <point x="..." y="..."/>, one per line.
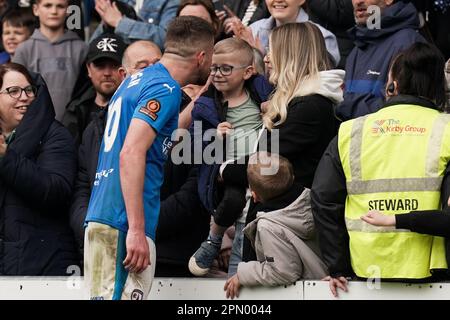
<point x="352" y="116"/>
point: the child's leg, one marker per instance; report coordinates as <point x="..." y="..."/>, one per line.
<point x="236" y="250"/>
<point x="216" y="232"/>
<point x="228" y="210"/>
<point x="238" y="241"/>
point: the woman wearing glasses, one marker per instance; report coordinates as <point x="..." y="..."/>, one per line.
<point x="37" y="169"/>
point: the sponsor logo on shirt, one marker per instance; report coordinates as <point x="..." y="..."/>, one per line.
<point x="166" y="146"/>
<point x="135" y="79"/>
<point x="169" y="87"/>
<point x="137" y="295"/>
<point x="151" y="109"/>
<point x="102" y="174"/>
<point x="373" y="73"/>
<point x="395" y="127"/>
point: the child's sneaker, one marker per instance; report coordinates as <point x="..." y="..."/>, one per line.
<point x="202" y="260"/>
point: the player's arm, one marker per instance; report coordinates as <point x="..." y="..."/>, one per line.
<point x="139" y="138"/>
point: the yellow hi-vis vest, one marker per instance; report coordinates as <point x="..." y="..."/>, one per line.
<point x="394" y="161"/>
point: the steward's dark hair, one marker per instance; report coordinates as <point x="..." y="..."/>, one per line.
<point x="419" y="71"/>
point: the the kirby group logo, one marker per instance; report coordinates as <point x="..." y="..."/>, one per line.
<point x="394" y="127"/>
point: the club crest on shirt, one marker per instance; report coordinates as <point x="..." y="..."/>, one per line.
<point x="151" y="109"/>
<point x="137" y="295"/>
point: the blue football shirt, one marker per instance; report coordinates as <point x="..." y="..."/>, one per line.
<point x="153" y="96"/>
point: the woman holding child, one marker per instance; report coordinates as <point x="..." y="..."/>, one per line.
<point x="300" y="113"/>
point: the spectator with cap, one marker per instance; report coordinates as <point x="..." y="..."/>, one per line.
<point x="153" y="18"/>
<point x="103" y="65"/>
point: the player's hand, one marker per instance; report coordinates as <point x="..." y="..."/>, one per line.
<point x="138" y="255"/>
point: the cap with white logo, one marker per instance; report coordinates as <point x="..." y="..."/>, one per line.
<point x="106" y="46"/>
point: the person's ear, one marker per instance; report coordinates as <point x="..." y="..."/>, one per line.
<point x="391" y="89"/>
<point x="88" y="67"/>
<point x="255" y="197"/>
<point x="249" y="71"/>
<point x="35" y="9"/>
<point x="200" y="57"/>
<point x="122" y="72"/>
<point x="388" y="2"/>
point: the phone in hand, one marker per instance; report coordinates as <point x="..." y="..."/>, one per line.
<point x="218" y="5"/>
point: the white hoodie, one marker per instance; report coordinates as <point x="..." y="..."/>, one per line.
<point x="328" y="84"/>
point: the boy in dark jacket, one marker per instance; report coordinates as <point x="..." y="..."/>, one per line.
<point x="232" y="107"/>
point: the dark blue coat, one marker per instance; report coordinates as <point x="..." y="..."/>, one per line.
<point x="368" y="64"/>
<point x="36" y="178"/>
<point x="211" y="111"/>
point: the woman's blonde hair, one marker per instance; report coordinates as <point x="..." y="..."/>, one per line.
<point x="297" y="54"/>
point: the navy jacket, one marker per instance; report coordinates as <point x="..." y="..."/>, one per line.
<point x="87" y="167"/>
<point x="36" y="179"/>
<point x="210" y="111"/>
<point x="368" y="64"/>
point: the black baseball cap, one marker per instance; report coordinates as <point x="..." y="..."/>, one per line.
<point x="106" y="46"/>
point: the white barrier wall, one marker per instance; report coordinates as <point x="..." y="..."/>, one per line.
<point x="61" y="288"/>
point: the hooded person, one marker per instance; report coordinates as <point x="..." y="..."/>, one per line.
<point x="368" y="64"/>
<point x="37" y="171"/>
<point x="283" y="232"/>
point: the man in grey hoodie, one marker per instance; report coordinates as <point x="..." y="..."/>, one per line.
<point x="52" y="51"/>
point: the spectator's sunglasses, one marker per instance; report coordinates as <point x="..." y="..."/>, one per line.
<point x="16" y="91"/>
